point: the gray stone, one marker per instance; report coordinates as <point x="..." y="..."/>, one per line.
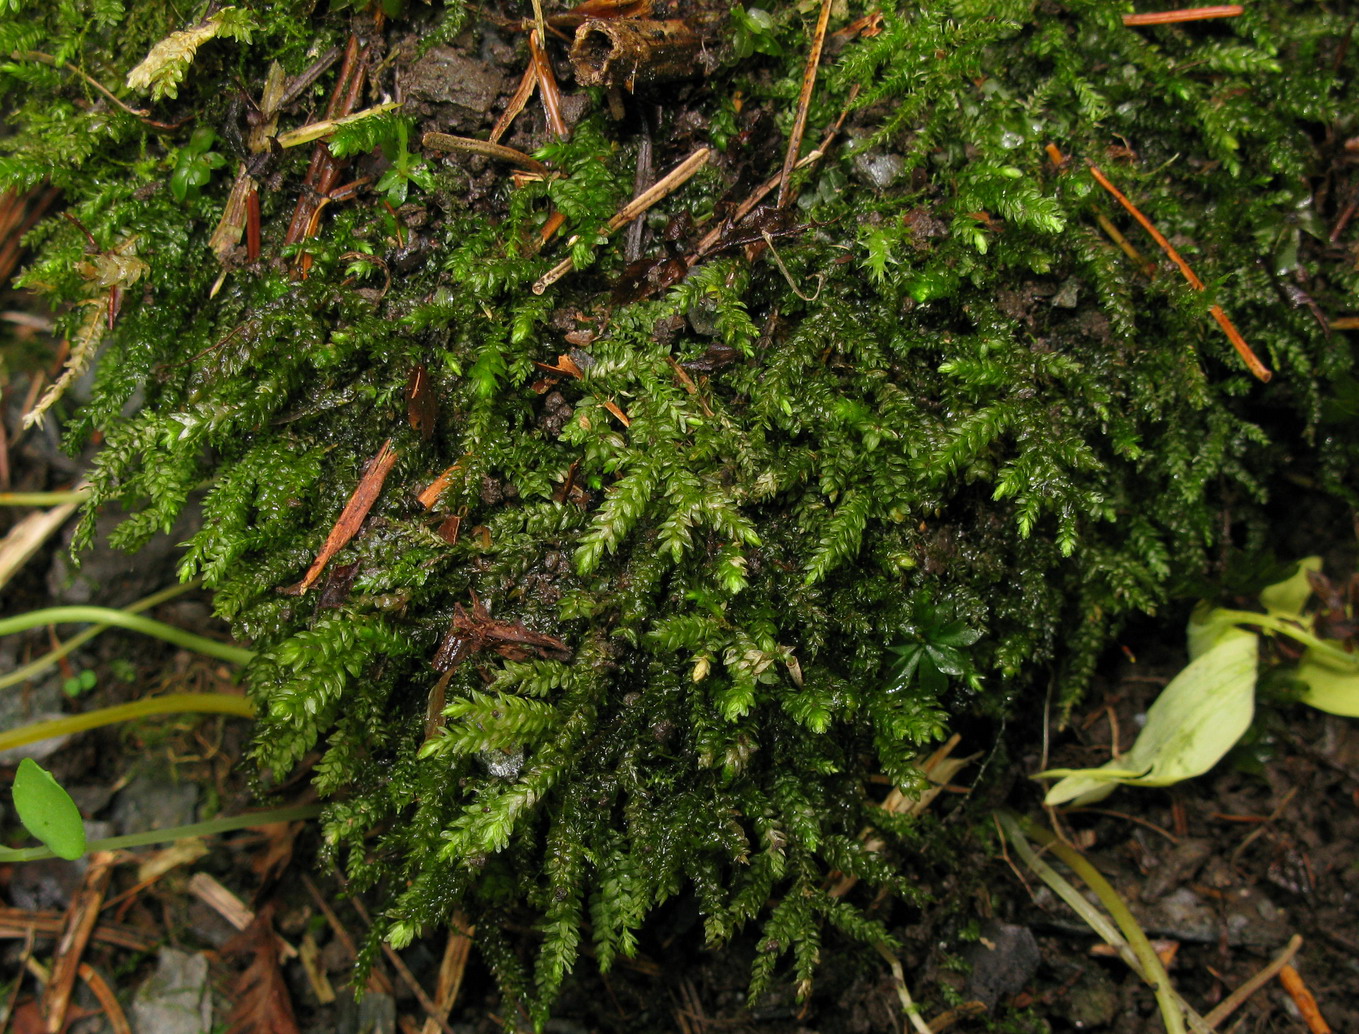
<point x="176" y="998"/>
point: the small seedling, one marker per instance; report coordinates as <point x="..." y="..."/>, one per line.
<point x="79" y="684"/>
<point x="47" y="811"/>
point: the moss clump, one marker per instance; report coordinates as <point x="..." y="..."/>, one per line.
<point x="952" y="406"/>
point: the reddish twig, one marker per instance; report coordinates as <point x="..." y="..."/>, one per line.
<point x="1251" y="360"/>
<point x="1188" y="14"/>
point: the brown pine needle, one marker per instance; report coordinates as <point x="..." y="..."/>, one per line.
<point x="351" y="517"/>
<point x="1189" y="14"/>
<point x="804" y="101"/>
<point x="516" y="105"/>
<point x="1251" y="360"/>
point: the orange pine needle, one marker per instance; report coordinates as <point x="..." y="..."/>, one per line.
<point x="1188" y="14"/>
<point x="1307" y="1005"/>
<point x="430" y="495"/>
<point x="516" y="105"/>
<point x="1251" y="360"/>
<point x="351" y="517"/>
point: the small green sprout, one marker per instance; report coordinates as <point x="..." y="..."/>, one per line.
<point x="194" y="166"/>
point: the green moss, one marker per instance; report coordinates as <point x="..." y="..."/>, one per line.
<point x="985" y="418"/>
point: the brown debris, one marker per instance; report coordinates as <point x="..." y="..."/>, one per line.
<point x="626" y="52"/>
<point x="81" y="919"/>
<point x="351" y="518"/>
<point x="422" y="405"/>
<point x="260" y="1000"/>
<point x="457" y="950"/>
<point x="477" y="631"/>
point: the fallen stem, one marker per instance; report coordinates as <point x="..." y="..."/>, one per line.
<point x="316" y="130"/>
<point x="1281" y="626"/>
<point x="172" y="703"/>
<point x="74" y="495"/>
<point x="49" y="659"/>
<point x="447" y="142"/>
<point x="1172" y="1008"/>
<point x="1016" y="828"/>
<point x="250" y="820"/>
<point x="908" y="1005"/>
<point x="130" y="622"/>
<point x="55" y="62"/>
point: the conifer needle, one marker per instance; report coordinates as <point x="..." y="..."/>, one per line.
<point x="1188" y="14"/>
<point x="351" y="517"/>
<point x="1251" y="360"/>
<point x="804" y="102"/>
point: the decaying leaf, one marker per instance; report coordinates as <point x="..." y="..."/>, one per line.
<point x="164" y="67"/>
<point x="260" y="1000"/>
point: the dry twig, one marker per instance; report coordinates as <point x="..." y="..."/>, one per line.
<point x="804" y="101"/>
<point x="661" y="189"/>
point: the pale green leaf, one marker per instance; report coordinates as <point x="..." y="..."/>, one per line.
<point x="1208" y="626"/>
<point x="1197" y="718"/>
<point x="1330" y="687"/>
<point x="47" y="811"/>
<point x="1285" y="599"/>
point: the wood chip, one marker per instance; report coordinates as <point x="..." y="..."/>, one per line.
<point x="352" y="517"/>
